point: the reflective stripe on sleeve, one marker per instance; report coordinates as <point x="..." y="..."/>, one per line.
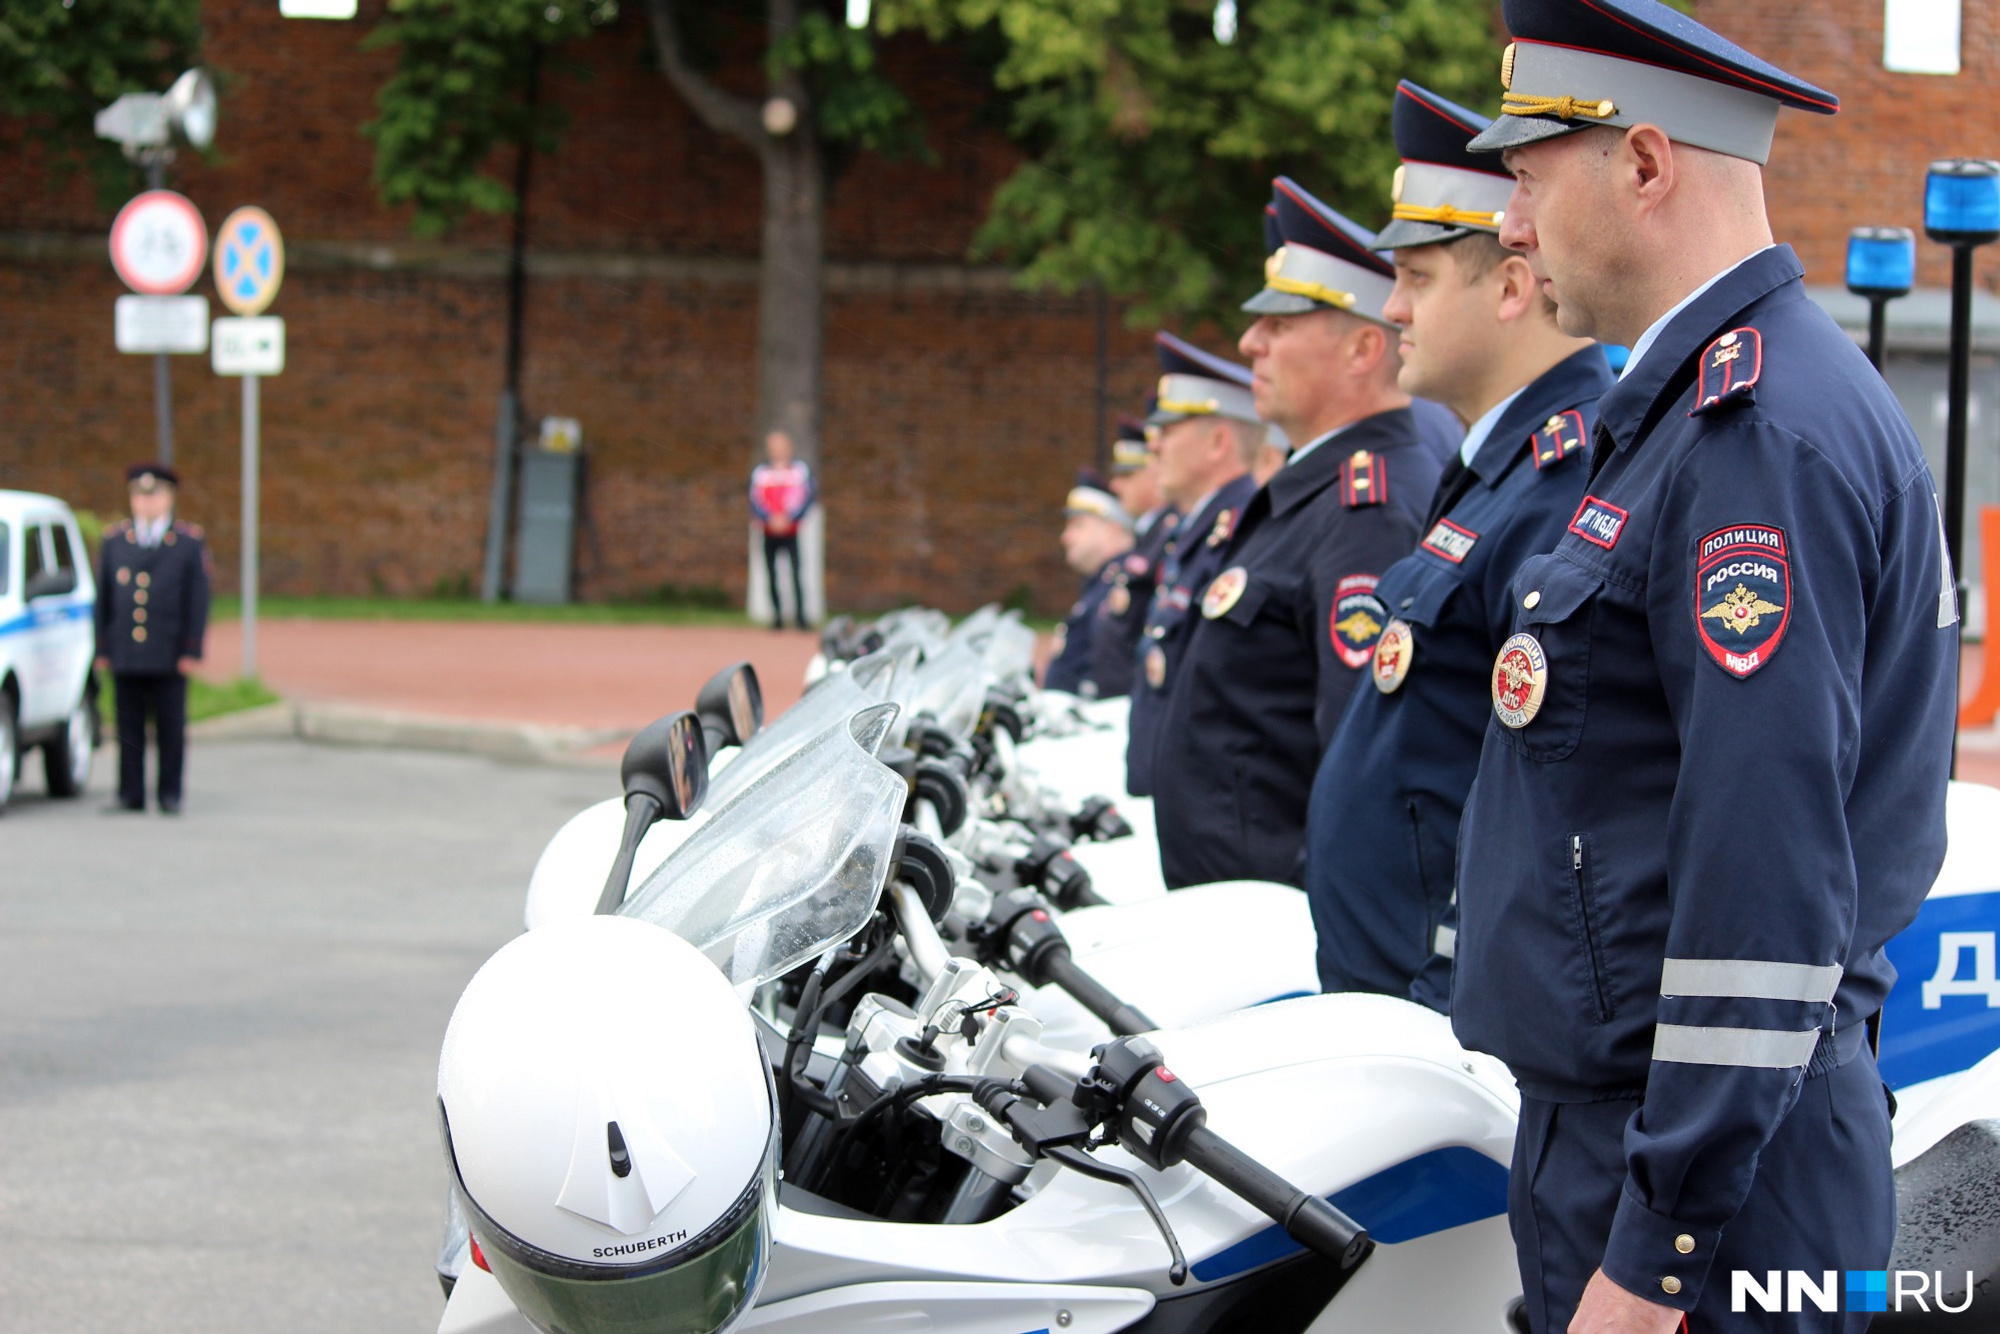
<point x="1445" y="942"/>
<point x="1750" y="978"/>
<point x="1759" y="1048"/>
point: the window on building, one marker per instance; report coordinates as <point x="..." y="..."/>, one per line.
<point x="1920" y="36"/>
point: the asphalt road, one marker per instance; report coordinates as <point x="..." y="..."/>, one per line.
<point x="219" y="1034"/>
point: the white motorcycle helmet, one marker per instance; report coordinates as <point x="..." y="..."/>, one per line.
<point x="608" y="1120"/>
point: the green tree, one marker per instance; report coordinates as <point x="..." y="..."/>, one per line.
<point x="1152" y="141"/>
<point x="61" y="61"/>
<point x="461" y="89"/>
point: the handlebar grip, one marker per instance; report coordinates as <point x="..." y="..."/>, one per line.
<point x="1310" y="1221"/>
<point x="1123" y="1019"/>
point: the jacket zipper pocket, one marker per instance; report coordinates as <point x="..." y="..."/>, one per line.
<point x="1580" y="884"/>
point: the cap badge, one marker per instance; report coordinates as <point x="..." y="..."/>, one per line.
<point x="1507" y="66"/>
<point x="1393" y="652"/>
<point x="1520" y="676"/>
<point x="1274" y="263"/>
<point x="1396" y="185"/>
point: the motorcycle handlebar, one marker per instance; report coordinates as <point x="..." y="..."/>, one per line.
<point x="1123" y="1019"/>
<point x="1311" y="1221"/>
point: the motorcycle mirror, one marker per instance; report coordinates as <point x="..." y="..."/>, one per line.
<point x="665" y="773"/>
<point x="731" y="706"/>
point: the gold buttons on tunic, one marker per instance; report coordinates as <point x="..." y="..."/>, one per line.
<point x="140" y="597"/>
<point x="139" y="634"/>
<point x="1670" y="1285"/>
<point x="144" y="580"/>
<point x="139" y="615"/>
<point x="1684" y="1244"/>
<point x="1533" y="600"/>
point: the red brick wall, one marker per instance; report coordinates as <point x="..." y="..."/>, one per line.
<point x="1866" y="165"/>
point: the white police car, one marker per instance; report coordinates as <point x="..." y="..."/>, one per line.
<point x="48" y="695"/>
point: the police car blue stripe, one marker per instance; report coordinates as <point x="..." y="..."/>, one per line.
<point x="1432" y="1192"/>
<point x="28" y="620"/>
<point x="1960" y="1024"/>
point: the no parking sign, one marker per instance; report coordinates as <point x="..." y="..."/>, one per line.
<point x="249" y="261"/>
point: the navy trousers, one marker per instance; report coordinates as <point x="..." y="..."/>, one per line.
<point x="164" y="698"/>
<point x="1824" y="1198"/>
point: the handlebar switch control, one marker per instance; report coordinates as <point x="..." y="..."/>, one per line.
<point x="1098" y="819"/>
<point x="1152" y="1111"/>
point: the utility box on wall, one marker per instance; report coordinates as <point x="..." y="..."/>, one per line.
<point x="545" y="545"/>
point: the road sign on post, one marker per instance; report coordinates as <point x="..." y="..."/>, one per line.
<point x="161" y="324"/>
<point x="158" y="245"/>
<point x="249" y="267"/>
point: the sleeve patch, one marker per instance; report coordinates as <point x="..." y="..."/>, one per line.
<point x="1450" y="541"/>
<point x="1729" y="370"/>
<point x="1599" y="522"/>
<point x="1559" y="438"/>
<point x="1357" y="620"/>
<point x="1363" y="480"/>
<point x="1742" y="595"/>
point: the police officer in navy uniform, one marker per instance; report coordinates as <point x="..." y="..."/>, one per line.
<point x="1122" y="616"/>
<point x="1289" y="625"/>
<point x="1096" y="538"/>
<point x="152" y="615"/>
<point x="1206" y="434"/>
<point x="1714" y="783"/>
<point x="1479" y="336"/>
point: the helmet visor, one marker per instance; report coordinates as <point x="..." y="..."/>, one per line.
<point x="703" y="1295"/>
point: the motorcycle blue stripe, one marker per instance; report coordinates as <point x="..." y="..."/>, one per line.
<point x="1442" y="1189"/>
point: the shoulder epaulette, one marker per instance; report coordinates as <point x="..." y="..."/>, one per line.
<point x="119" y="529"/>
<point x="1363" y="480"/>
<point x="1729" y="370"/>
<point x="1560" y="437"/>
<point x="191" y="529"/>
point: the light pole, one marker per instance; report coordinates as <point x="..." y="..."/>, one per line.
<point x="1881" y="266"/>
<point x="145" y="126"/>
<point x="1961" y="210"/>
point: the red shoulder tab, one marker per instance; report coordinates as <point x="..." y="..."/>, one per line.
<point x="1729" y="370"/>
<point x="1560" y="437"/>
<point x="191" y="529"/>
<point x="1363" y="480"/>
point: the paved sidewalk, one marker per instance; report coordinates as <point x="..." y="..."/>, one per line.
<point x="518" y="689"/>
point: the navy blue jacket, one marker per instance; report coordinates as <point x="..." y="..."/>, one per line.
<point x="1192" y="557"/>
<point x="152" y="602"/>
<point x="1382" y="830"/>
<point x="1121" y="616"/>
<point x="1070" y="668"/>
<point x="1284" y="632"/>
<point x="1678" y="876"/>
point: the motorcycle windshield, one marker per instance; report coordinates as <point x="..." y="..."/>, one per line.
<point x="973" y="630"/>
<point x="920" y="626"/>
<point x="795" y="865"/>
<point x="1010" y="652"/>
<point x="951" y="688"/>
<point x="832" y="700"/>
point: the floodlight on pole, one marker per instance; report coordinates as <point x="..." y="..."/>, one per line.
<point x="1881" y="266"/>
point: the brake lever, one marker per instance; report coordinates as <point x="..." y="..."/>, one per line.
<point x="1079" y="1161"/>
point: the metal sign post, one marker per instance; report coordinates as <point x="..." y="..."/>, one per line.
<point x="249" y="266"/>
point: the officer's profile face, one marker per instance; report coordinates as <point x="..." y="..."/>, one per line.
<point x="1088" y="541"/>
<point x="1186" y="450"/>
<point x="1446" y="318"/>
<point x="1138" y="491"/>
<point x="148" y="506"/>
<point x="1296" y="362"/>
<point x="1564" y="218"/>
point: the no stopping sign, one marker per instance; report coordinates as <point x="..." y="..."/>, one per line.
<point x="159" y="244"/>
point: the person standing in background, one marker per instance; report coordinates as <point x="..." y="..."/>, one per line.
<point x="152" y="615"/>
<point x="781" y="491"/>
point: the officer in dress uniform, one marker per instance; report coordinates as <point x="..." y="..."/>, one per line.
<point x="1480" y="337"/>
<point x="152" y="614"/>
<point x="1206" y="434"/>
<point x="1714" y="783"/>
<point x="1135" y="480"/>
<point x="1096" y="538"/>
<point x="1289" y="625"/>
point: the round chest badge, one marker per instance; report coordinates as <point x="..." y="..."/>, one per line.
<point x="1520" y="675"/>
<point x="1156" y="667"/>
<point x="1393" y="652"/>
<point x="1222" y="594"/>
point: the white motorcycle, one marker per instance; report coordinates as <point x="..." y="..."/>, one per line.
<point x="946" y="1165"/>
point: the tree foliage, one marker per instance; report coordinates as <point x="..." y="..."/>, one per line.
<point x="61" y="61"/>
<point x="462" y="86"/>
<point x="1152" y="143"/>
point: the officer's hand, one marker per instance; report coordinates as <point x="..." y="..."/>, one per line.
<point x="1607" y="1308"/>
<point x="187" y="666"/>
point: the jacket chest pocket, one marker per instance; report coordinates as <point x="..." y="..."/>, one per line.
<point x="1541" y="678"/>
<point x="1234" y="596"/>
<point x="1423" y="601"/>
